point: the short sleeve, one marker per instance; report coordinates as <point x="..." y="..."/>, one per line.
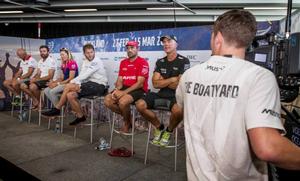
<point x="185" y="66"/>
<point x="32" y="63"/>
<point x="121" y="73"/>
<point x="72" y="65"/>
<point x="263" y="106"/>
<point x="143" y="69"/>
<point x="157" y="66"/>
<point x="52" y="64"/>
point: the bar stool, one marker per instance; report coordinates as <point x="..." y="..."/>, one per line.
<point x="92" y="100"/>
<point x="42" y="97"/>
<point x="60" y="117"/>
<point x="113" y="130"/>
<point x="162" y="111"/>
<point x="13" y="104"/>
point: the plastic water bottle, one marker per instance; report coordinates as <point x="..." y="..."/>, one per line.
<point x="57" y="126"/>
<point x="102" y="144"/>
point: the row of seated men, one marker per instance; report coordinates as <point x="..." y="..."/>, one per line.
<point x="131" y="86"/>
<point x="231" y="106"/>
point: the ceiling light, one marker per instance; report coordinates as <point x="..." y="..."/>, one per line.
<point x="170" y="8"/>
<point x="266" y="8"/>
<point x="10" y="12"/>
<point x="79" y="10"/>
<point x="165" y="1"/>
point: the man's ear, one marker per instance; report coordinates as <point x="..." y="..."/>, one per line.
<point x="219" y="39"/>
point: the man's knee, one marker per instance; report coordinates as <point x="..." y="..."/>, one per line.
<point x="7" y="83"/>
<point x="124" y="102"/>
<point x="176" y="110"/>
<point x="71" y="96"/>
<point x="23" y="86"/>
<point x="33" y="87"/>
<point x="108" y="100"/>
<point x="141" y="105"/>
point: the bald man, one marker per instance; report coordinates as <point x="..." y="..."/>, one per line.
<point x="27" y="66"/>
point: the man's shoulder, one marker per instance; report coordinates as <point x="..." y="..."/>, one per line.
<point x="181" y="57"/>
<point x="141" y="60"/>
<point x="161" y="60"/>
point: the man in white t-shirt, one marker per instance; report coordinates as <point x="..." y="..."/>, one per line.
<point x="91" y="81"/>
<point x="27" y="66"/>
<point x="232" y="110"/>
<point x="45" y="72"/>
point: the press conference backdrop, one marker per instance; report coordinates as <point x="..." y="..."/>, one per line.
<point x="193" y="42"/>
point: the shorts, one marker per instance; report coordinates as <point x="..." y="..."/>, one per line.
<point x="136" y="94"/>
<point x="154" y="101"/>
<point x="91" y="89"/>
<point x="41" y="84"/>
<point x="25" y="81"/>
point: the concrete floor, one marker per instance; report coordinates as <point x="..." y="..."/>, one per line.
<point x="53" y="156"/>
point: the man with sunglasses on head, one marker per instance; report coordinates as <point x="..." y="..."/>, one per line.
<point x="131" y="85"/>
<point x="91" y="81"/>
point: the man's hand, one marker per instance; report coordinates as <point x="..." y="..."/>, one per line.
<point x="174" y="79"/>
<point x="51" y="85"/>
<point x="117" y="94"/>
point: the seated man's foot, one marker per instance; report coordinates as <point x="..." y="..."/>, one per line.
<point x="157" y="136"/>
<point x="77" y="121"/>
<point x="165" y="138"/>
<point x="52" y="112"/>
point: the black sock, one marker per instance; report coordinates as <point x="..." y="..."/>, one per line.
<point x="169" y="130"/>
<point x="161" y="127"/>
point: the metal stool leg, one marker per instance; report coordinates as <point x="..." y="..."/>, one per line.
<point x="40" y="109"/>
<point x="49" y="123"/>
<point x="147" y="145"/>
<point x="75" y="133"/>
<point x="176" y="145"/>
<point x="112" y="129"/>
<point x="21" y="106"/>
<point x="62" y="119"/>
<point x="133" y="125"/>
<point x="92" y="121"/>
<point x="12" y="105"/>
<point x="30" y="108"/>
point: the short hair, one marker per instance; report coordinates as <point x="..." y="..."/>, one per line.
<point x="238" y="27"/>
<point x="44" y="46"/>
<point x="88" y="46"/>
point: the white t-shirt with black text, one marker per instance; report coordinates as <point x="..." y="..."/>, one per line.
<point x="222" y="99"/>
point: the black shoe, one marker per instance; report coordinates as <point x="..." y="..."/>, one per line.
<point x="77" y="120"/>
<point x="52" y="112"/>
<point x="46" y="113"/>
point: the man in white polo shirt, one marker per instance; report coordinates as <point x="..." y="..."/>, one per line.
<point x="27" y="66"/>
<point x="232" y="110"/>
<point x="45" y="72"/>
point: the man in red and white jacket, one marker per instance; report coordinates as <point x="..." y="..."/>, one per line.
<point x="131" y="85"/>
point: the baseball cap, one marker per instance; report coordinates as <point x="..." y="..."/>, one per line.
<point x="132" y="43"/>
<point x="170" y="37"/>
